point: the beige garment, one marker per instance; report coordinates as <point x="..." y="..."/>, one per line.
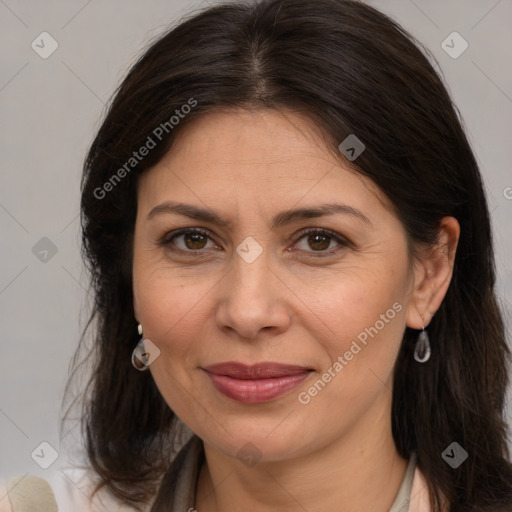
<point x="72" y="489"/>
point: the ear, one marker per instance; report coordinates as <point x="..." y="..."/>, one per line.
<point x="432" y="275"/>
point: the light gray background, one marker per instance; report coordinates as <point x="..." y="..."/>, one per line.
<point x="50" y="110"/>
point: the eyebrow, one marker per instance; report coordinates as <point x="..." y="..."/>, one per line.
<point x="281" y="219"/>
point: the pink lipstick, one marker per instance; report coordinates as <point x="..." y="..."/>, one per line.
<point x="257" y="383"/>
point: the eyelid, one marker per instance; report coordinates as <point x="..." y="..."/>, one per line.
<point x="324" y="231"/>
<point x="170" y="235"/>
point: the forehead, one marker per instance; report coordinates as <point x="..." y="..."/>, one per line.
<point x="275" y="158"/>
<point x="262" y="138"/>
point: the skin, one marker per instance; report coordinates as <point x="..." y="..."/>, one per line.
<point x="290" y="305"/>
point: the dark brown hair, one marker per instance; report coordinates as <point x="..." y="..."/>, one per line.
<point x="351" y="70"/>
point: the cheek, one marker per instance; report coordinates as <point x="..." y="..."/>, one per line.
<point x="366" y="320"/>
<point x="170" y="309"/>
<point x="176" y="312"/>
<point x="362" y="305"/>
<point x="173" y="316"/>
<point x="365" y="313"/>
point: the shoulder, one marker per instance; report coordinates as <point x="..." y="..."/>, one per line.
<point x="71" y="488"/>
<point x="66" y="489"/>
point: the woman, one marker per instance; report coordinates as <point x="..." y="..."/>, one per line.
<point x="286" y="226"/>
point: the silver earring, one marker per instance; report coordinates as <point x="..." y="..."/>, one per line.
<point x="422" y="350"/>
<point x="139" y="355"/>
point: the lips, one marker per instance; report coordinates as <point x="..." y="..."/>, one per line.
<point x="257" y="383"/>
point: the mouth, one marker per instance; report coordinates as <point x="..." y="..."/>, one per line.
<point x="257" y="383"/>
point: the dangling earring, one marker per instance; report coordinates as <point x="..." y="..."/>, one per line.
<point x="422" y="349"/>
<point x="139" y="354"/>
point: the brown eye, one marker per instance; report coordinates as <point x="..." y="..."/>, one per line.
<point x="194" y="241"/>
<point x="319" y="242"/>
<point x="323" y="242"/>
<point x="187" y="240"/>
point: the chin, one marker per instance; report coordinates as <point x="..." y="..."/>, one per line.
<point x="261" y="443"/>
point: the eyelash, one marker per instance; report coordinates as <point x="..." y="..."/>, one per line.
<point x="166" y="240"/>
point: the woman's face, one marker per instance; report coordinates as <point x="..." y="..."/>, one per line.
<point x="261" y="283"/>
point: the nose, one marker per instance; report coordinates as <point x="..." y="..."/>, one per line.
<point x="253" y="299"/>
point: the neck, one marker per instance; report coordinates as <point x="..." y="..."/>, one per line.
<point x="361" y="470"/>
